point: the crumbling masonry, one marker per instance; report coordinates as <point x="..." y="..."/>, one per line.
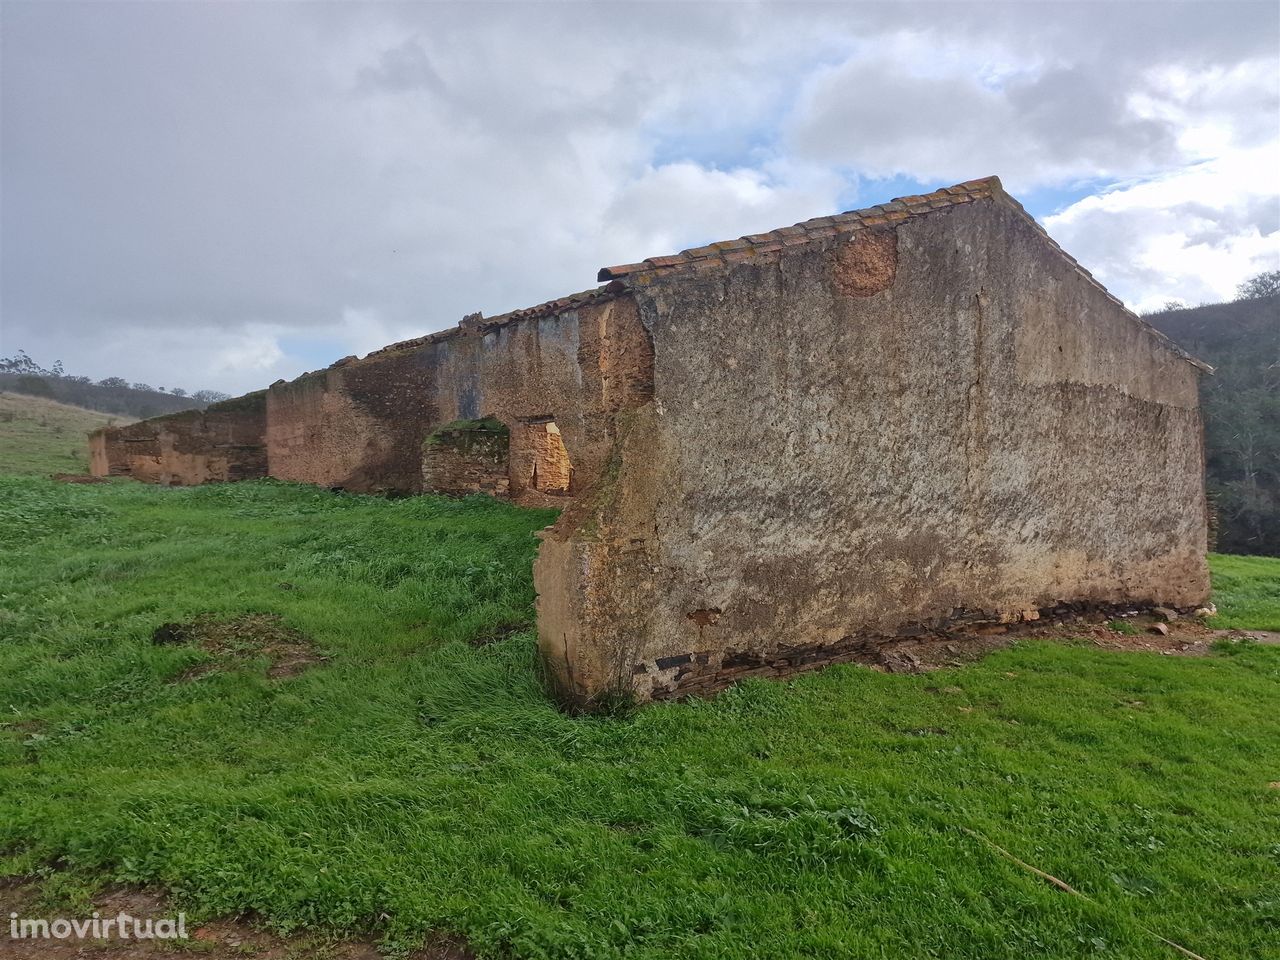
<point x="775" y="451"/>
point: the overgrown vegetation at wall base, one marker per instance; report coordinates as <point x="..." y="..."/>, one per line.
<point x="415" y="777"/>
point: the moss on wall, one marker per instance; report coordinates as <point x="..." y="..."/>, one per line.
<point x="483" y="435"/>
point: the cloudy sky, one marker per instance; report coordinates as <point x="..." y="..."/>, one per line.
<point x="222" y="194"/>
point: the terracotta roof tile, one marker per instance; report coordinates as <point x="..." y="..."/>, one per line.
<point x="819" y="228"/>
<point x="770" y="247"/>
<point x="626" y="268"/>
<point x="671" y="261"/>
<point x="718" y="256"/>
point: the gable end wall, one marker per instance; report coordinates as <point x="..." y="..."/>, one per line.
<point x="841" y="449"/>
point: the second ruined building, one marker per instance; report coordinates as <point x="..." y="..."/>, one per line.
<point x="775" y="449"/>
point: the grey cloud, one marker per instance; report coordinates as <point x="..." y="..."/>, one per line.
<point x="1213" y="226"/>
<point x="400" y="68"/>
<point x="1076" y="112"/>
<point x="244" y="175"/>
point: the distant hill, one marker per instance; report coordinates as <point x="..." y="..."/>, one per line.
<point x="40" y="436"/>
<point x="108" y="396"/>
<point x="1242" y="414"/>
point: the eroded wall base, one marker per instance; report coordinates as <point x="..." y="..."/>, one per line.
<point x="705" y="672"/>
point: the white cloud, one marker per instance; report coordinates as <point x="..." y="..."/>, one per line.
<point x="676" y="204"/>
<point x="1191" y="235"/>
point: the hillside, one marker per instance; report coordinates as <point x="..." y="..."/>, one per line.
<point x="112" y="396"/>
<point x="1242" y="414"/>
<point x="40" y="436"/>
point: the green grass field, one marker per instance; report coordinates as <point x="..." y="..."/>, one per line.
<point x="419" y="779"/>
<point x="1247" y="589"/>
<point x="40" y="437"/>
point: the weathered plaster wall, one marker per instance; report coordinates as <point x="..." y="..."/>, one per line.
<point x="935" y="422"/>
<point x="222" y="443"/>
<point x="110" y="448"/>
<point x="99" y="458"/>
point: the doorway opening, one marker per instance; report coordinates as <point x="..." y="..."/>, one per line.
<point x="539" y="459"/>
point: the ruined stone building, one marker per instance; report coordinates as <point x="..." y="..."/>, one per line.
<point x="221" y="443"/>
<point x="775" y="450"/>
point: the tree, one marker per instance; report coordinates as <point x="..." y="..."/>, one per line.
<point x="19" y="363"/>
<point x="1262" y="285"/>
<point x="33" y="386"/>
<point x="1241" y="409"/>
<point x="209" y="396"/>
<point x="179" y="392"/>
<point x="116" y="382"/>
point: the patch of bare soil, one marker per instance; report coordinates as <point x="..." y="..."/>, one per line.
<point x="226" y="938"/>
<point x="242" y="638"/>
<point x="77" y="478"/>
<point x="1133" y="631"/>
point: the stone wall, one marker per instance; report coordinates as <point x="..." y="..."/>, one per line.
<point x="939" y="419"/>
<point x="112" y="450"/>
<point x="556" y="376"/>
<point x="99" y="457"/>
<point x="224" y="442"/>
<point x="776" y="451"/>
<point x="361" y="424"/>
<point x="467" y="457"/>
